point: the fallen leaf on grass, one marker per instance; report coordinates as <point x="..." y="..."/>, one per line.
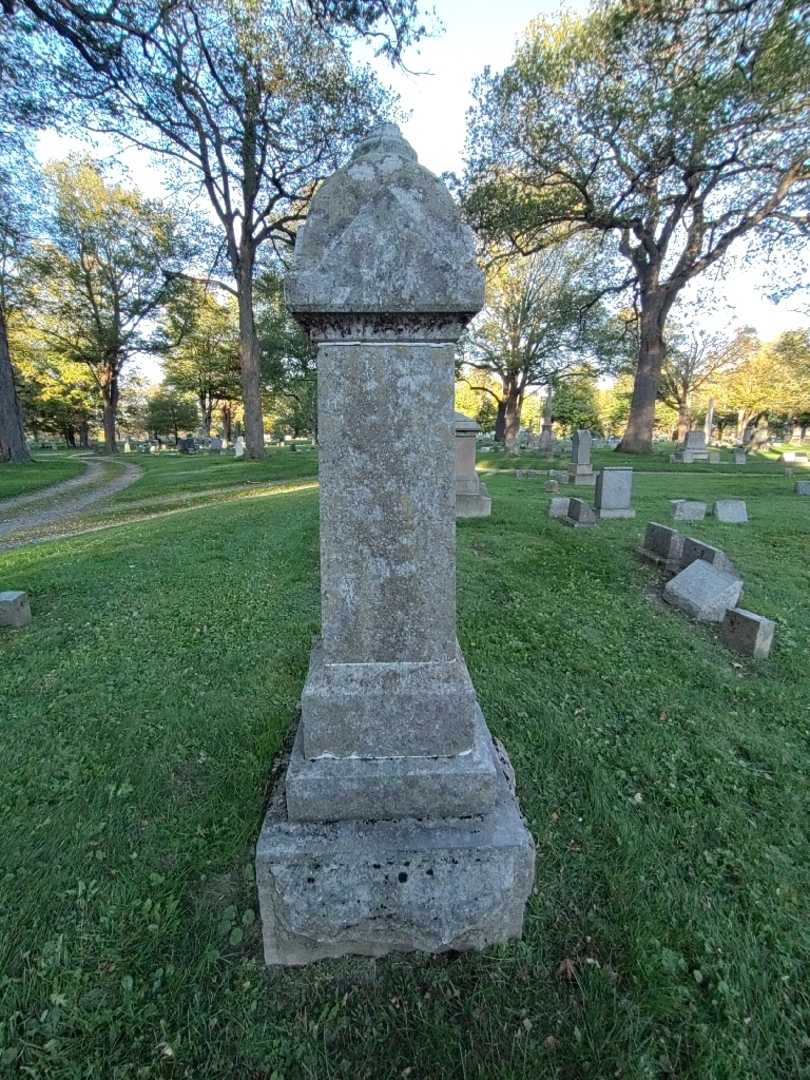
<point x="567" y="970"/>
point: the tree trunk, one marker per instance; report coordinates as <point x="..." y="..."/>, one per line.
<point x="638" y="435"/>
<point x="84" y="435"/>
<point x="12" y="433"/>
<point x="111" y="395"/>
<point x="500" y="421"/>
<point x="227" y="422"/>
<point x="249" y="362"/>
<point x="684" y="421"/>
<point x="513" y="404"/>
<point x="743" y="419"/>
<point x="206" y="407"/>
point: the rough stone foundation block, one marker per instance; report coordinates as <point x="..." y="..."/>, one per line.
<point x="387" y="709"/>
<point x="385" y="788"/>
<point x="803" y="487"/>
<point x="329" y="889"/>
<point x="662" y="546"/>
<point x="688" y="509"/>
<point x="580" y="514"/>
<point x="703" y="592"/>
<point x="747" y="633"/>
<point x="583" y="475"/>
<point x="731" y="511"/>
<point x="15" y="611"/>
<point x="474" y="506"/>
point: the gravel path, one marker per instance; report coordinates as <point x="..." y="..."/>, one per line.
<point x="101" y="480"/>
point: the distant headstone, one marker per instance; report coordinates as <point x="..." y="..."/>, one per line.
<point x="239" y="447"/>
<point x="215" y="445"/>
<point x="15" y="610"/>
<point x="580" y="471"/>
<point x="794" y="457"/>
<point x="802" y="487"/>
<point x="696" y="549"/>
<point x="580" y="514"/>
<point x="692" y="449"/>
<point x="558" y="508"/>
<point x="714" y="457"/>
<point x="748" y="633"/>
<point x="731" y="511"/>
<point x="688" y="509"/>
<point x="551" y="486"/>
<point x="559" y="475"/>
<point x="703" y="592"/>
<point x="530" y="474"/>
<point x="127" y="446"/>
<point x="739" y="457"/>
<point x="662" y="546"/>
<point x="614" y="490"/>
<point x="472" y="497"/>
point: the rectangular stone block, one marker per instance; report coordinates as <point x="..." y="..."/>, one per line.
<point x="15" y="610"/>
<point x="731" y="511"/>
<point x="696" y="549"/>
<point x="530" y="474"/>
<point x="387" y="710"/>
<point x="614" y="489"/>
<point x="739" y="457"/>
<point x="387" y="498"/>
<point x="580" y="514"/>
<point x="559" y="475"/>
<point x="714" y="457"/>
<point x="329" y="889"/>
<point x="688" y="509"/>
<point x="747" y="633"/>
<point x="662" y="546"/>
<point x="474" y="506"/>
<point x="385" y="788"/>
<point x="803" y="487"/>
<point x="551" y="486"/>
<point x="703" y="592"/>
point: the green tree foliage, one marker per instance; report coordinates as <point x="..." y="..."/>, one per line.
<point x="541" y="320"/>
<point x="101" y="277"/>
<point x="677" y="128"/>
<point x="168" y="412"/>
<point x="575" y="401"/>
<point x="200" y="343"/>
<point x="475" y="396"/>
<point x="288" y="369"/>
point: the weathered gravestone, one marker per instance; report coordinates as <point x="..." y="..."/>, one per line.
<point x="731" y="511"/>
<point x="472" y="497"/>
<point x="558" y="507"/>
<point x="748" y="633"/>
<point x="551" y="486"/>
<point x="703" y="592"/>
<point x="15" y="610"/>
<point x="395" y="826"/>
<point x="215" y="445"/>
<point x="546" y="441"/>
<point x="739" y="457"/>
<point x="803" y="487"/>
<point x="688" y="509"/>
<point x="696" y="549"/>
<point x="614" y="490"/>
<point x="693" y="448"/>
<point x="239" y="447"/>
<point x="714" y="457"/>
<point x="580" y="471"/>
<point x="580" y="514"/>
<point x="662" y="546"/>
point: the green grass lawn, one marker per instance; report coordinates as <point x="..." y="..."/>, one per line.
<point x="170" y="474"/>
<point x="40" y="473"/>
<point x="664" y="779"/>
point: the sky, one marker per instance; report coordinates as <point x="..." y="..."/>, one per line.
<point x="437" y="95"/>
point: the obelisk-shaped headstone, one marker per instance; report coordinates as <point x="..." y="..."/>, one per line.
<point x="394" y="826"/>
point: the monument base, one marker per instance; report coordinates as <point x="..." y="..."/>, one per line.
<point x="607" y="515"/>
<point x="473" y="505"/>
<point x="330" y="889"/>
<point x="581" y="475"/>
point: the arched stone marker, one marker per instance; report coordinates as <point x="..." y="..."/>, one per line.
<point x="395" y="825"/>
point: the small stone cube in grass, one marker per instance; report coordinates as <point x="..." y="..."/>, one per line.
<point x="688" y="509"/>
<point x="731" y="511"/>
<point x="551" y="486"/>
<point x="803" y="487"/>
<point x="15" y="611"/>
<point x="748" y="633"/>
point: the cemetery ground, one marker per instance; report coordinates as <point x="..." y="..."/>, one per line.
<point x="663" y="777"/>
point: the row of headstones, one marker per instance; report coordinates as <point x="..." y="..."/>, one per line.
<point x="694" y="448"/>
<point x="190" y="445"/>
<point x="706" y="585"/>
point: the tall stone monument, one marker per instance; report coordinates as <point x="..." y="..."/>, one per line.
<point x="692" y="449"/>
<point x="546" y="443"/>
<point x="394" y="826"/>
<point x="472" y="497"/>
<point x="580" y="471"/>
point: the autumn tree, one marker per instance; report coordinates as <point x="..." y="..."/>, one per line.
<point x="678" y="129"/>
<point x="540" y="321"/>
<point x="101" y="277"/>
<point x="767" y="385"/>
<point x="200" y="343"/>
<point x="254" y="103"/>
<point x="692" y="359"/>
